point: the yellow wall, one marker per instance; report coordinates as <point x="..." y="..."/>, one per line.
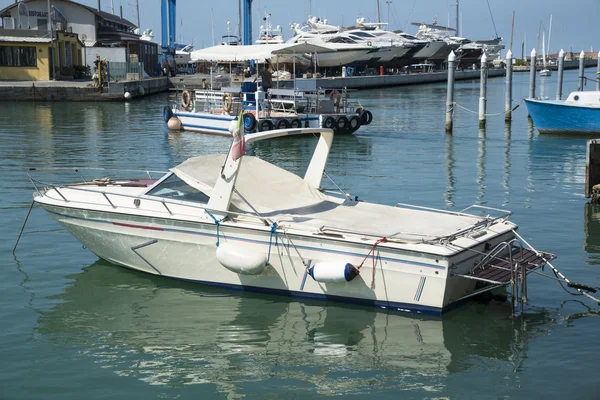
<point x="39" y="73"/>
<point x="42" y="71"/>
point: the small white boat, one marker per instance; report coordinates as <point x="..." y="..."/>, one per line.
<point x="240" y="222"/>
<point x="545" y="70"/>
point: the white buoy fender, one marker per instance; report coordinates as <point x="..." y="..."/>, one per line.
<point x="127" y="95"/>
<point x="333" y="272"/>
<point x="241" y="260"/>
<point x="174" y="124"/>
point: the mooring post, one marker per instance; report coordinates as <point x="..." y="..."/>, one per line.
<point x="508" y="107"/>
<point x="561" y="70"/>
<point x="450" y="92"/>
<point x="581" y="72"/>
<point x="598" y="74"/>
<point x="592" y="171"/>
<point x="532" y="72"/>
<point x="483" y="90"/>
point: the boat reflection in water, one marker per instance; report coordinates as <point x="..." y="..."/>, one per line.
<point x="171" y="333"/>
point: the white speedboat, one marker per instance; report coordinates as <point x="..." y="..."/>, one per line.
<point x="240" y="222"/>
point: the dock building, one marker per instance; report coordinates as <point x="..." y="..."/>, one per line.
<point x="42" y="42"/>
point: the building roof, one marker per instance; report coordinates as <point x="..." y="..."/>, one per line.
<point x="101" y="14"/>
<point x="21" y="39"/>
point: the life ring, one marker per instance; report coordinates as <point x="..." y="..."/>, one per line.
<point x="369" y="44"/>
<point x="186" y="99"/>
<point x="337" y="96"/>
<point x="227" y="102"/>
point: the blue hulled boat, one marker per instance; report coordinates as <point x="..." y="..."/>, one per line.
<point x="579" y="114"/>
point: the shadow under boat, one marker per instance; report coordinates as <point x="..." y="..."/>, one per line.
<point x="175" y="333"/>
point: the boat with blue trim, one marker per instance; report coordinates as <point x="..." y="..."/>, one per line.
<point x="237" y="221"/>
<point x="212" y="111"/>
<point x="578" y="114"/>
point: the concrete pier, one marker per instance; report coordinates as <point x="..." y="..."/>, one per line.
<point x="78" y="90"/>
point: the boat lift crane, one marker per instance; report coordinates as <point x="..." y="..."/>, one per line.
<point x="168" y="23"/>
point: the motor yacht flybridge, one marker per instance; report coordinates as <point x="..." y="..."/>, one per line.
<point x="237" y="221"/>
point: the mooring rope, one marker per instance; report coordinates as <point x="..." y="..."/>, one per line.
<point x="486" y="115"/>
<point x="377" y="242"/>
<point x="217" y="223"/>
<point x="557" y="272"/>
<point x="295" y="248"/>
<point x="273" y="233"/>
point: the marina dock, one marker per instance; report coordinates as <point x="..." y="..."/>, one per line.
<point x="354" y="82"/>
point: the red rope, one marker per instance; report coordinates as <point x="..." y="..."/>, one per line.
<point x="382" y="240"/>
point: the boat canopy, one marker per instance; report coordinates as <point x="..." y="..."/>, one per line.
<point x="256" y="52"/>
<point x="287" y="198"/>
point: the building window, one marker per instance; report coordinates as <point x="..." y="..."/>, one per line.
<point x="17" y="56"/>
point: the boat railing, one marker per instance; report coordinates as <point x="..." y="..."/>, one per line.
<point x="106" y="195"/>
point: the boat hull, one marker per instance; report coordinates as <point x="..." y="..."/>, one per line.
<point x="402" y="280"/>
<point x="217" y="124"/>
<point x="559" y="117"/>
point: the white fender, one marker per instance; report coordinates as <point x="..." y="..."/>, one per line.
<point x="241" y="260"/>
<point x="333" y="272"/>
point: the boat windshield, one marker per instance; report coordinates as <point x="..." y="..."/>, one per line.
<point x="175" y="188"/>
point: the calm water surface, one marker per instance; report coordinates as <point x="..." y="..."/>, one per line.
<point x="75" y="326"/>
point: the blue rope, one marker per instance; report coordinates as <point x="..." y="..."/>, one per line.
<point x="217" y="222"/>
<point x="273" y="232"/>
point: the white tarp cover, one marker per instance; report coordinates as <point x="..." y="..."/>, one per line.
<point x="255" y="52"/>
<point x="287" y="198"/>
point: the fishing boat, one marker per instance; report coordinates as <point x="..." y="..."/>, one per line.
<point x="236" y="221"/>
<point x="212" y="110"/>
<point x="578" y="114"/>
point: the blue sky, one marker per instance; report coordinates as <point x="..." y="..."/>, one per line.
<point x="575" y="22"/>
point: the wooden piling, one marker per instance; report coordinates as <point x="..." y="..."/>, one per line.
<point x="581" y="71"/>
<point x="561" y="70"/>
<point x="508" y="106"/>
<point x="450" y="92"/>
<point x="592" y="171"/>
<point x="483" y="91"/>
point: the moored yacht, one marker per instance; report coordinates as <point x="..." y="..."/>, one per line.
<point x="238" y="221"/>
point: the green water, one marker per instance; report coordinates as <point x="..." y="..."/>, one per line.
<point x="76" y="327"/>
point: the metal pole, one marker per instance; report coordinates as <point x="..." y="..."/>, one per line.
<point x="598" y="74"/>
<point x="581" y="72"/>
<point x="483" y="91"/>
<point x="532" y="72"/>
<point x="561" y="70"/>
<point x="509" y="69"/>
<point x="450" y="92"/>
<point x="457" y="19"/>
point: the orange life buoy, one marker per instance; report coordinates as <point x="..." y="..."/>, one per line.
<point x="227" y="102"/>
<point x="186" y="99"/>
